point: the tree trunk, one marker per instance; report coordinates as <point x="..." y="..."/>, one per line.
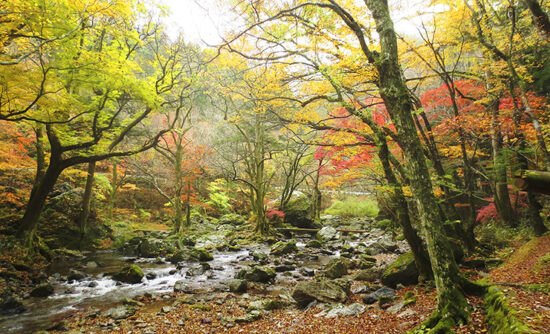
<point x="36" y="202"/>
<point x="82" y="220"/>
<point x="113" y="190"/>
<point x="539" y="16"/>
<point x="534" y="214"/>
<point x="40" y="158"/>
<point x="451" y="303"/>
<point x="317" y="196"/>
<point x="178" y="187"/>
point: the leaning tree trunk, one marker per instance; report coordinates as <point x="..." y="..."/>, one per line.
<point x="82" y="220"/>
<point x="113" y="190"/>
<point x="178" y="186"/>
<point x="40" y="158"/>
<point x="451" y="303"/>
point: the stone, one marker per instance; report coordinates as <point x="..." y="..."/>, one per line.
<point x="265" y="305"/>
<point x="249" y="317"/>
<point x="284" y="268"/>
<point x="130" y="274"/>
<point x="75" y="275"/>
<point x="308" y="272"/>
<point x="283" y="248"/>
<point x="256" y="274"/>
<point x="11" y="305"/>
<point x="151" y="275"/>
<point x="401" y="271"/>
<point x="93" y="284"/>
<point x="42" y="291"/>
<point x="298" y="213"/>
<point x="153" y="248"/>
<point x="326" y="291"/>
<point x="232" y="219"/>
<point x="314" y="244"/>
<point x="180" y="256"/>
<point x="336" y="268"/>
<point x="91" y="265"/>
<point x="343" y="310"/>
<point x="383" y="292"/>
<point x="328" y="233"/>
<point x="195" y="270"/>
<point x="201" y="254"/>
<point x="261" y="257"/>
<point x="120" y="312"/>
<point x="180" y="286"/>
<point x="368" y="275"/>
<point x="238" y="286"/>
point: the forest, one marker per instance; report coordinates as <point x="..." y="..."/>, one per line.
<point x="330" y="166"/>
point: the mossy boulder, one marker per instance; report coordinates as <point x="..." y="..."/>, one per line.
<point x="152" y="248"/>
<point x="257" y="274"/>
<point x="402" y="271"/>
<point x="298" y="213"/>
<point x="326" y="291"/>
<point x="201" y="254"/>
<point x="314" y="244"/>
<point x="265" y="305"/>
<point x="259" y="256"/>
<point x="283" y="248"/>
<point x="368" y="275"/>
<point x="336" y="268"/>
<point x="130" y="274"/>
<point x="11" y="305"/>
<point x="180" y="256"/>
<point x="232" y="219"/>
<point x="238" y="286"/>
<point x="42" y="290"/>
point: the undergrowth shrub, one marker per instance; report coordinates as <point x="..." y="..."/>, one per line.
<point x="353" y="207"/>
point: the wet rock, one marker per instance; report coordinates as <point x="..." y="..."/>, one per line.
<point x="336" y="268"/>
<point x="238" y="285"/>
<point x="261" y="257"/>
<point x="21" y="267"/>
<point x="256" y="274"/>
<point x="383" y="245"/>
<point x="130" y="274"/>
<point x="366" y="262"/>
<point x="324" y="291"/>
<point x="201" y="254"/>
<point x="343" y="310"/>
<point x="120" y="312"/>
<point x="284" y="268"/>
<point x="283" y="248"/>
<point x="11" y="305"/>
<point x="180" y="256"/>
<point x="42" y="291"/>
<point x="181" y="286"/>
<point x="314" y="244"/>
<point x="195" y="270"/>
<point x="151" y="275"/>
<point x="93" y="284"/>
<point x="369" y="275"/>
<point x="383" y="292"/>
<point x="328" y="233"/>
<point x="308" y="272"/>
<point x="91" y="265"/>
<point x="402" y="271"/>
<point x="132" y="302"/>
<point x="75" y="275"/>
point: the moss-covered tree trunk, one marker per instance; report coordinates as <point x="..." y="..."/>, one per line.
<point x="178" y="186"/>
<point x="113" y="191"/>
<point x="451" y="304"/>
<point x="82" y="220"/>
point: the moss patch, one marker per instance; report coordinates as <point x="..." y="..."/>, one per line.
<point x="500" y="318"/>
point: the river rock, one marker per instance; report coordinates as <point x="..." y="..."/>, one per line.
<point x="130" y="274"/>
<point x="196" y="270"/>
<point x="120" y="312"/>
<point x="383" y="292"/>
<point x="366" y="262"/>
<point x="249" y="317"/>
<point x="336" y="268"/>
<point x="75" y="275"/>
<point x="265" y="305"/>
<point x="42" y="291"/>
<point x="314" y="244"/>
<point x="328" y="233"/>
<point x="11" y="305"/>
<point x="324" y="291"/>
<point x="283" y="248"/>
<point x="91" y="265"/>
<point x="256" y="274"/>
<point x="383" y="245"/>
<point x="201" y="254"/>
<point x="238" y="285"/>
<point x="402" y="271"/>
<point x="259" y="256"/>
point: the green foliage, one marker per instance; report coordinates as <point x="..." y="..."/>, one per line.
<point x="500" y="317"/>
<point x="353" y="207"/>
<point x="218" y="196"/>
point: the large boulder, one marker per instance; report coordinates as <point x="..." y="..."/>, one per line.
<point x="369" y="275"/>
<point x="232" y="219"/>
<point x="155" y="247"/>
<point x="259" y="256"/>
<point x="130" y="274"/>
<point x="314" y="244"/>
<point x="298" y="213"/>
<point x="383" y="292"/>
<point x="238" y="285"/>
<point x="326" y="291"/>
<point x="201" y="254"/>
<point x="256" y="274"/>
<point x="402" y="271"/>
<point x="336" y="268"/>
<point x="42" y="290"/>
<point x="328" y="233"/>
<point x="11" y="305"/>
<point x="283" y="248"/>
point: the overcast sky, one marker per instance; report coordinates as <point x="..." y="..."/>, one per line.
<point x="206" y="20"/>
